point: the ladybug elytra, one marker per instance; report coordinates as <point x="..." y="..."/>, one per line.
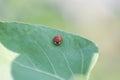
<point x="57" y="40"/>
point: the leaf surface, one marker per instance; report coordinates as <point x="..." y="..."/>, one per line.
<point x="40" y="59"/>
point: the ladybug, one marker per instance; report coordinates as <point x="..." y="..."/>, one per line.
<point x="57" y="40"/>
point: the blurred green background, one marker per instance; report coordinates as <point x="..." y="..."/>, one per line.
<point x="97" y="20"/>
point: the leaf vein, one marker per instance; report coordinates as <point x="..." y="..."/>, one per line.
<point x="40" y="71"/>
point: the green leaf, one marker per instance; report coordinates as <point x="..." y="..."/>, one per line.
<point x="40" y="59"/>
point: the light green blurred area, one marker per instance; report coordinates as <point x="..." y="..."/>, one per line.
<point x="97" y="20"/>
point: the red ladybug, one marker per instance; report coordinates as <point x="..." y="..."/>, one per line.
<point x="57" y="40"/>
